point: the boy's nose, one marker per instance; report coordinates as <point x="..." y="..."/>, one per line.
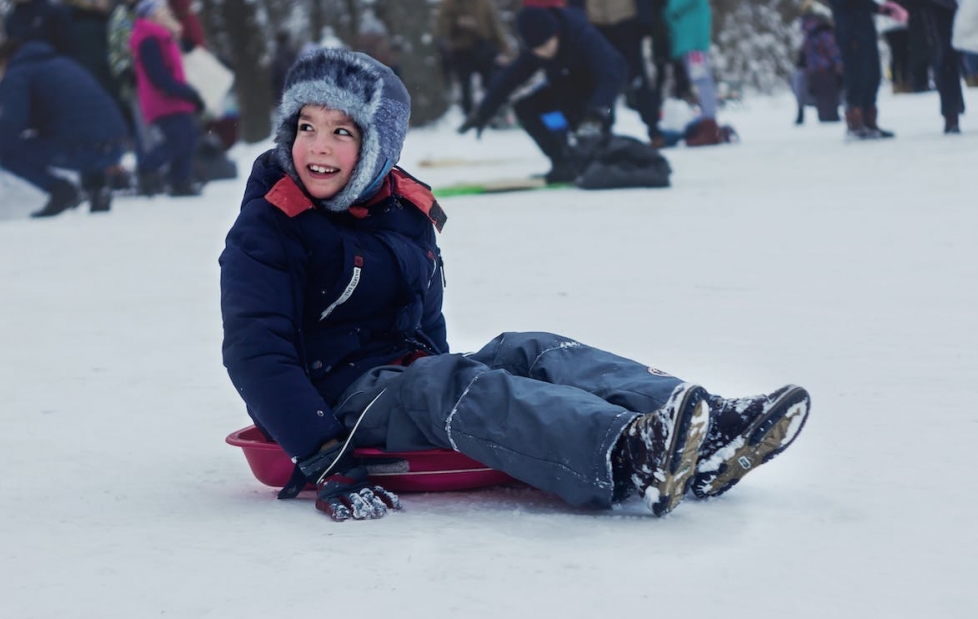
<point x="321" y="145"/>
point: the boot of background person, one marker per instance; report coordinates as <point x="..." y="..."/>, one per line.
<point x="869" y="119"/>
<point x="800" y="119"/>
<point x="117" y="177"/>
<point x="185" y="189"/>
<point x="63" y="196"/>
<point x="951" y="126"/>
<point x="902" y="87"/>
<point x="855" y="127"/>
<point x="561" y="171"/>
<point x="98" y="191"/>
<point x="150" y="183"/>
<point x="705" y="133"/>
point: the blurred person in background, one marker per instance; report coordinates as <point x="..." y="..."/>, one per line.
<point x="54" y="114"/>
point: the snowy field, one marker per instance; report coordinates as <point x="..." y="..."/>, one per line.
<point x="851" y="269"/>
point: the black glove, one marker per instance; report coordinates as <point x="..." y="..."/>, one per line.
<point x="473" y="121"/>
<point x="342" y="489"/>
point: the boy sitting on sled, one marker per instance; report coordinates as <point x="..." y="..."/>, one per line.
<point x="331" y="293"/>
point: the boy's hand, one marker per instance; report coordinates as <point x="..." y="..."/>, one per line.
<point x="342" y="489"/>
<point x="347" y="495"/>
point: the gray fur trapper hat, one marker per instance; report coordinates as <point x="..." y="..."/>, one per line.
<point x="364" y="89"/>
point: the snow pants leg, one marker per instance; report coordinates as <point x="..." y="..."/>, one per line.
<point x="939" y="21"/>
<point x="855" y="34"/>
<point x="177" y="149"/>
<point x="535" y="113"/>
<point x="32" y="159"/>
<point x="541" y="407"/>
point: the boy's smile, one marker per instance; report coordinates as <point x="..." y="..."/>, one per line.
<point x="325" y="151"/>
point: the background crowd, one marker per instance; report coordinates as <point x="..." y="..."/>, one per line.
<point x="84" y="82"/>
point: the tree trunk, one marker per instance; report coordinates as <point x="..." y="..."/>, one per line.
<point x="247" y="51"/>
<point x="409" y="23"/>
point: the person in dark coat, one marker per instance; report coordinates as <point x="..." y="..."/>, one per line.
<point x="54" y="114"/>
<point x="938" y="19"/>
<point x="41" y="20"/>
<point x="855" y="33"/>
<point x="626" y="24"/>
<point x="331" y="297"/>
<point x="584" y="76"/>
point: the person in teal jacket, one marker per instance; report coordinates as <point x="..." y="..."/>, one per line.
<point x="690" y="23"/>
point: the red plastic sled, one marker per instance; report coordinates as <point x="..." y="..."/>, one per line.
<point x="431" y="470"/>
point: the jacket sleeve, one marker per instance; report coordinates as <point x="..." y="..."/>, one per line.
<point x="261" y="298"/>
<point x="506" y="81"/>
<point x="151" y="56"/>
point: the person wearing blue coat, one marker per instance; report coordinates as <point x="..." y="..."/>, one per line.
<point x="331" y="297"/>
<point x="53" y="113"/>
<point x="585" y="74"/>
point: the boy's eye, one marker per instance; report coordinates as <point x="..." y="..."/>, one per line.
<point x="305" y="127"/>
<point x="342" y="131"/>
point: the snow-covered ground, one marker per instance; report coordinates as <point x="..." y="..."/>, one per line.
<point x="851" y="269"/>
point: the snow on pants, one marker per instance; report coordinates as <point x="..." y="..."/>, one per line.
<point x="543" y="408"/>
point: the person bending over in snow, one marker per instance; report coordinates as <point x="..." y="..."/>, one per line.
<point x="571" y="113"/>
<point x="331" y="296"/>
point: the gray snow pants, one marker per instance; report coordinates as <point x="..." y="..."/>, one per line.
<point x="543" y="408"/>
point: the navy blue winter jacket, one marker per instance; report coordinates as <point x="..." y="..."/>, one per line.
<point x="312" y="299"/>
<point x="56" y="97"/>
<point x="587" y="71"/>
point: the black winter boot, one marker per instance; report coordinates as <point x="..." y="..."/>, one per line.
<point x="745" y="433"/>
<point x="184" y="189"/>
<point x="657" y="452"/>
<point x="951" y="126"/>
<point x="869" y="118"/>
<point x="150" y="183"/>
<point x="561" y="171"/>
<point x="856" y="128"/>
<point x="63" y="196"/>
<point x="98" y="192"/>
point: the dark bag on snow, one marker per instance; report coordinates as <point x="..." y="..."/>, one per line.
<point x="624" y="162"/>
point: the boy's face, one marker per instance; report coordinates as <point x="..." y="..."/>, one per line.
<point x="325" y="151"/>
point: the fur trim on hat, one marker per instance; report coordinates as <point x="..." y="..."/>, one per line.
<point x="365" y="90"/>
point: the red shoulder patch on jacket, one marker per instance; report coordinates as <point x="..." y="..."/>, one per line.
<point x="288" y="198"/>
<point x="418" y="194"/>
